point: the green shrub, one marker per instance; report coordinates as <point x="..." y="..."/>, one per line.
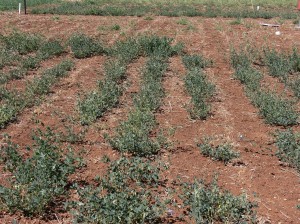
<point x="31" y="63"/>
<point x="7" y="57"/>
<point x="17" y="73"/>
<point x="15" y="103"/>
<point x="124" y="195"/>
<point x="288" y="143"/>
<point x="201" y="90"/>
<point x="116" y="27"/>
<point x="274" y="109"/>
<point x="155" y="46"/>
<point x="195" y="61"/>
<point x="239" y="59"/>
<point x="42" y="85"/>
<point x="39" y="182"/>
<point x="83" y="46"/>
<point x="295" y="86"/>
<point x="207" y="203"/>
<point x="151" y="92"/>
<point x="133" y="134"/>
<point x="96" y="103"/>
<point x="50" y="49"/>
<point x="23" y="43"/>
<point x="126" y="51"/>
<point x="278" y="64"/>
<point x="221" y="152"/>
<point x="249" y="77"/>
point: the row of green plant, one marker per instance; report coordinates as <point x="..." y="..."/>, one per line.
<point x="284" y="66"/>
<point x="207" y="203"/>
<point x="134" y="134"/>
<point x="94" y="104"/>
<point x="197" y="86"/>
<point x="288" y="143"/>
<point x="131" y="190"/>
<point x="207" y="9"/>
<point x="39" y="183"/>
<point x="274" y="108"/>
<point x="15" y="50"/>
<point x="221" y="152"/>
<point x="14" y="102"/>
<point x="84" y="46"/>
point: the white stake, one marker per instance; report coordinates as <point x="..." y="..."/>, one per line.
<point x="19" y="8"/>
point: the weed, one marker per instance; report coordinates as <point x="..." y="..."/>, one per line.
<point x="295" y="86"/>
<point x="221" y="152"/>
<point x="154" y="46"/>
<point x="278" y="64"/>
<point x="38" y="181"/>
<point x="50" y="49"/>
<point x="95" y="103"/>
<point x="17" y="73"/>
<point x="8" y="57"/>
<point x="250" y="77"/>
<point x="31" y="63"/>
<point x="201" y="91"/>
<point x="83" y="46"/>
<point x="195" y="61"/>
<point x="183" y="21"/>
<point x="126" y="51"/>
<point x="207" y="203"/>
<point x="275" y="110"/>
<point x="288" y="143"/>
<point x="133" y="134"/>
<point x="124" y="194"/>
<point x="116" y="27"/>
<point x="23" y="43"/>
<point x="39" y="86"/>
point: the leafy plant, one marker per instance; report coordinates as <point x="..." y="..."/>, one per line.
<point x="39" y="181"/>
<point x="126" y="51"/>
<point x="275" y="110"/>
<point x="288" y="143"/>
<point x="124" y="195"/>
<point x="14" y="103"/>
<point x="221" y="152"/>
<point x="95" y="103"/>
<point x="49" y="49"/>
<point x="195" y="61"/>
<point x="133" y="134"/>
<point x="249" y="77"/>
<point x="207" y="203"/>
<point x="201" y="90"/>
<point x="83" y="46"/>
<point x="278" y="63"/>
<point x="155" y="46"/>
<point x="23" y="43"/>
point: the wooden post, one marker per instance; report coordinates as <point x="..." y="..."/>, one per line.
<point x="25" y="7"/>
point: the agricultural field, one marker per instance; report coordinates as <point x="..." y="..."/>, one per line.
<point x="113" y="114"/>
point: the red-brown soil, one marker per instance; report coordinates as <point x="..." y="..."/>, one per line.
<point x="233" y="117"/>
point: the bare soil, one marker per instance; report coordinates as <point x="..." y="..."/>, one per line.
<point x="258" y="172"/>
